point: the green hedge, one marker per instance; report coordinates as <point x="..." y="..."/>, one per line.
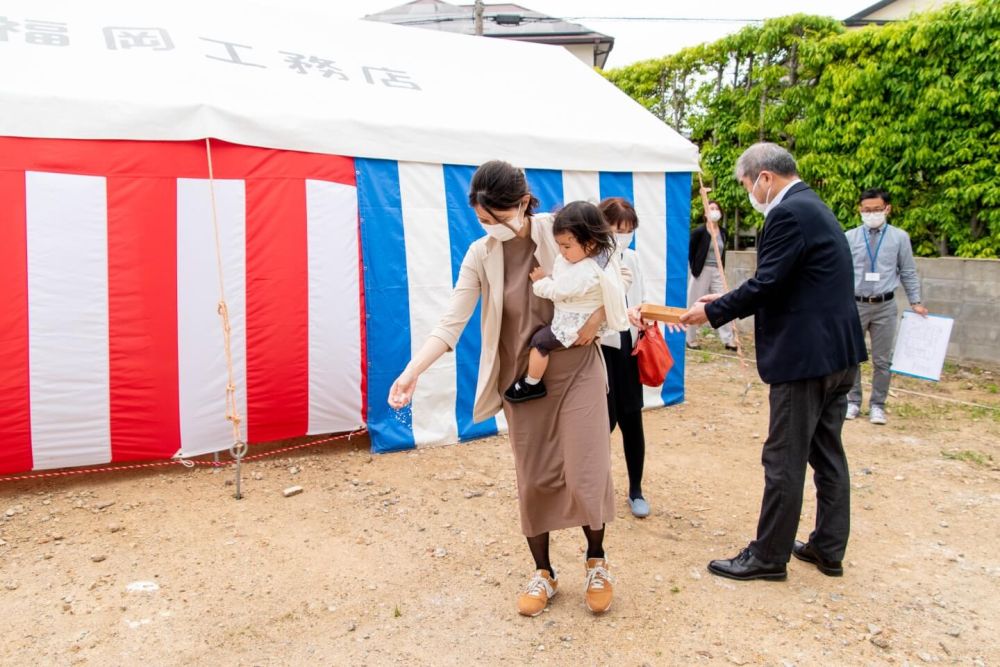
<point x="912" y="107"/>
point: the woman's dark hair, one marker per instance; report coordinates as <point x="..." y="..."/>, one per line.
<point x="618" y="209"/>
<point x="499" y="186"/>
<point x="587" y="225"/>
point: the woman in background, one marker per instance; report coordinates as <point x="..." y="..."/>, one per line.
<point x="625" y="398"/>
<point x="706" y="272"/>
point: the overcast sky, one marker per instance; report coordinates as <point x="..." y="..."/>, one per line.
<point x="705" y="20"/>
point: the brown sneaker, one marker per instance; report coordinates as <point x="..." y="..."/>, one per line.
<point x="537" y="594"/>
<point x="599" y="589"/>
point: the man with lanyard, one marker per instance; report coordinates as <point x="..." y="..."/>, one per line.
<point x="883" y="258"/>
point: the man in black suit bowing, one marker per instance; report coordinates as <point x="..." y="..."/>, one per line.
<point x="809" y="344"/>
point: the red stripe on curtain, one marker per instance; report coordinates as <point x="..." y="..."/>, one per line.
<point x="15" y="396"/>
<point x="277" y="293"/>
<point x="142" y="318"/>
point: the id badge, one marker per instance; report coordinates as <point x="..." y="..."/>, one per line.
<point x="871" y="277"/>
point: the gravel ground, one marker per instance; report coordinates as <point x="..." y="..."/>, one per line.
<point x="416" y="558"/>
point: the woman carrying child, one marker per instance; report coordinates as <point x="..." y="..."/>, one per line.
<point x="560" y="442"/>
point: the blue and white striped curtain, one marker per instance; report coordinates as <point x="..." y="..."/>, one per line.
<point x="416" y="225"/>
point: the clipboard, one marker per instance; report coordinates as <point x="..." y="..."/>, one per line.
<point x="921" y="345"/>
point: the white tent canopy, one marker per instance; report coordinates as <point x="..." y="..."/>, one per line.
<point x="255" y="74"/>
<point x="333" y="218"/>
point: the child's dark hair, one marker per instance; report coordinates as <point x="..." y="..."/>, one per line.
<point x="587" y="225"/>
<point x="499" y="186"/>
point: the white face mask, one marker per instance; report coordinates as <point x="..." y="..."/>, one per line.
<point x="873" y="220"/>
<point x="624" y="240"/>
<point x="757" y="206"/>
<point x="505" y="231"/>
<point x="714" y="215"/>
<point x="499" y="231"/>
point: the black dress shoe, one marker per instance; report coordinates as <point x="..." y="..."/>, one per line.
<point x="746" y="566"/>
<point x="731" y="347"/>
<point x="805" y="551"/>
<point x="521" y="391"/>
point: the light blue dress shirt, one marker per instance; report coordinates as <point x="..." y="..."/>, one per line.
<point x="890" y="246"/>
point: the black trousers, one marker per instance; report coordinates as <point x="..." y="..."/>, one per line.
<point x="545" y="341"/>
<point x="805" y="427"/>
<point x="625" y="407"/>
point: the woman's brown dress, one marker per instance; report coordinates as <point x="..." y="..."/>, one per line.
<point x="561" y="442"/>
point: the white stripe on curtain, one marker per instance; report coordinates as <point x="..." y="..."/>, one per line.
<point x="334" y="308"/>
<point x="201" y="355"/>
<point x="428" y="267"/>
<point x="67" y="238"/>
<point x="650" y="204"/>
<point x="581" y="185"/>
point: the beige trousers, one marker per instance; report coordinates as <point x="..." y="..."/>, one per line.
<point x="709" y="282"/>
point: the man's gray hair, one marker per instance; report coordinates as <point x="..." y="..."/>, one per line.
<point x="765" y="156"/>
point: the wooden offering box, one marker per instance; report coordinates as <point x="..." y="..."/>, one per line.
<point x="651" y="311"/>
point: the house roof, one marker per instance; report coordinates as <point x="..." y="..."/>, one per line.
<point x="861" y="18"/>
<point x="504" y="20"/>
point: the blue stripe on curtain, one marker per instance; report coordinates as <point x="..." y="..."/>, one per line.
<point x="463" y="229"/>
<point x="678" y="189"/>
<point x="547" y="185"/>
<point x="387" y="308"/>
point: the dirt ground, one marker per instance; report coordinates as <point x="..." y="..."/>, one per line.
<point x="416" y="558"/>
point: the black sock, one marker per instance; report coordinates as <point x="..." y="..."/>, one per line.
<point x="595" y="542"/>
<point x="539" y="546"/>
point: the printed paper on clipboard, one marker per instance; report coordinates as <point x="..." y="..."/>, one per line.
<point x="921" y="345"/>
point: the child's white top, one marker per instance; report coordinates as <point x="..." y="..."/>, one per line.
<point x="577" y="290"/>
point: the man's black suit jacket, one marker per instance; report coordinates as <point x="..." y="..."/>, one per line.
<point x="700" y="245"/>
<point x="802" y="295"/>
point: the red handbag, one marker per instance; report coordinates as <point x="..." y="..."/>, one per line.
<point x="653" y="357"/>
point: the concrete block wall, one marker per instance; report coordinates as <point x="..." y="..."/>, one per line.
<point x="965" y="289"/>
<point x="741" y="265"/>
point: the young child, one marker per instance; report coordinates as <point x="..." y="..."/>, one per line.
<point x="586" y="276"/>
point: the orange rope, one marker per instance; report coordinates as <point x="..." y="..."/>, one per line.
<point x="232" y="414"/>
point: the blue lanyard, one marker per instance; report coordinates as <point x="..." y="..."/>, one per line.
<point x="882" y="235"/>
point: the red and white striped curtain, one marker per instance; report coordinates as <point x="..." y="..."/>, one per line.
<point x="111" y="347"/>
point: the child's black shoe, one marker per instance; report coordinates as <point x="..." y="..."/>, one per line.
<point x="522" y="391"/>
